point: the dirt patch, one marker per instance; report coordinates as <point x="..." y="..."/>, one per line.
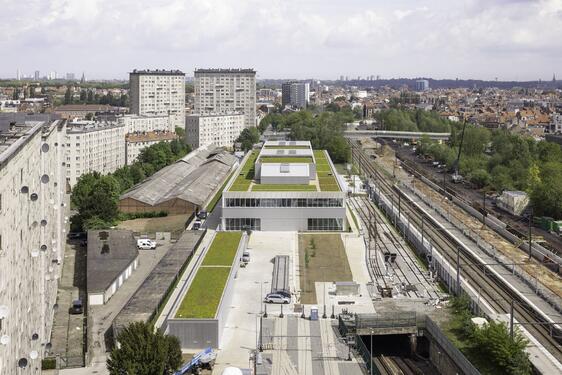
<point x="173" y="223"/>
<point x="321" y="258"/>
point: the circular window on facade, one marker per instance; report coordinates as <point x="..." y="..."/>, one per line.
<point x="34" y="224"/>
<point x="35" y="336"/>
<point x="43" y="222"/>
<point x="34" y="197"/>
<point x="45" y="178"/>
<point x="43" y="247"/>
<point x="22" y="363"/>
<point x="24" y="190"/>
<point x="45" y="147"/>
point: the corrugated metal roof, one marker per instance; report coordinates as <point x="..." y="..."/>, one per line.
<point x="192" y="178"/>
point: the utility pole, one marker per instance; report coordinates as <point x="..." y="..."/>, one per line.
<point x="458" y="272"/>
<point x="530" y="234"/>
<point x="484" y="211"/>
<point x="511" y="320"/>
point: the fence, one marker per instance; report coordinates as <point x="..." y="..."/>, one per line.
<point x="453" y="353"/>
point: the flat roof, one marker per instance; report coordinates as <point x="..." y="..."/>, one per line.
<point x="155" y="136"/>
<point x="157" y="72"/>
<point x="229" y="70"/>
<point x="281" y="169"/>
<point x="279" y="152"/>
<point x="110" y="252"/>
<point x="152" y="291"/>
<point x="288" y="143"/>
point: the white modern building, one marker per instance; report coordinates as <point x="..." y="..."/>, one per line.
<point x="220" y="130"/>
<point x="285" y="186"/>
<point x="31" y="240"/>
<point x="137" y="123"/>
<point x="136" y="142"/>
<point x="295" y="94"/>
<point x="158" y="93"/>
<point x="93" y="147"/>
<point x="220" y="91"/>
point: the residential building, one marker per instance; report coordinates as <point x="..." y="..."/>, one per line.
<point x="93" y="147"/>
<point x="220" y="91"/>
<point x="32" y="241"/>
<point x="422" y="85"/>
<point x="295" y="94"/>
<point x="80" y="111"/>
<point x="136" y="123"/>
<point x="136" y="142"/>
<point x="220" y="130"/>
<point x="36" y="75"/>
<point x="291" y="188"/>
<point x="158" y="93"/>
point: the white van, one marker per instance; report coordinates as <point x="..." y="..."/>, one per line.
<point x="146" y="244"/>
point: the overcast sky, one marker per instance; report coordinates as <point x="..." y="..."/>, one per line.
<point x="481" y="39"/>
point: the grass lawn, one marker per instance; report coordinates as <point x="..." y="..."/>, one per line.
<point x="326" y="177"/>
<point x="282" y="187"/>
<point x="223" y="249"/>
<point x="212" y="204"/>
<point x="204" y="294"/>
<point x="246" y="174"/>
<point x="292" y="159"/>
<point x="328" y="262"/>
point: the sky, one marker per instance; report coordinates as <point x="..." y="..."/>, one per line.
<point x="322" y="39"/>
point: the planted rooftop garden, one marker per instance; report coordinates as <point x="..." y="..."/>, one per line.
<point x="326" y="177"/>
<point x="205" y="292"/>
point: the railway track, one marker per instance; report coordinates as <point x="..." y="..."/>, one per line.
<point x="386" y="243"/>
<point x="391" y="365"/>
<point x="494" y="291"/>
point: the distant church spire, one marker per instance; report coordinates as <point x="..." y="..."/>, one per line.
<point x="83" y="79"/>
<point x="553" y="77"/>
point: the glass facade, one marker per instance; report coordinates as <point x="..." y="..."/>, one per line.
<point x="243" y="223"/>
<point x="325" y="224"/>
<point x="284" y="202"/>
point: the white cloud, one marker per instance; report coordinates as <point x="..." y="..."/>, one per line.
<point x="291" y="38"/>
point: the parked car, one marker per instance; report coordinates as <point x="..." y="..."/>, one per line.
<point x="146" y="244"/>
<point x="246" y="256"/>
<point x="202" y="215"/>
<point x="76" y="235"/>
<point x="196" y="225"/>
<point x="277" y="298"/>
<point x="77" y="307"/>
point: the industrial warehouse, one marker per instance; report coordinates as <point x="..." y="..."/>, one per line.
<point x="285" y="186"/>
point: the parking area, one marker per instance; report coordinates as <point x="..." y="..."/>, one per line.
<point x="68" y="334"/>
<point x="250" y="287"/>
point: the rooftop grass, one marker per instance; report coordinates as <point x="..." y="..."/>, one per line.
<point x="246" y="174"/>
<point x="204" y="294"/>
<point x="285" y="159"/>
<point x="203" y="297"/>
<point x="223" y="249"/>
<point x="326" y="178"/>
<point x="283" y="187"/>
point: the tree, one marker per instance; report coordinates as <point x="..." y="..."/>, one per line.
<point x="90" y="98"/>
<point x="83" y="96"/>
<point x="96" y="196"/>
<point x="142" y="351"/>
<point x="180" y="132"/>
<point x="89" y="116"/>
<point x="68" y="96"/>
<point x="248" y="138"/>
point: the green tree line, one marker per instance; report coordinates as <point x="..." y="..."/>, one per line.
<point x="89" y="97"/>
<point x="95" y="196"/>
<point x="324" y="130"/>
<point x="497" y="160"/>
<point x="413" y="121"/>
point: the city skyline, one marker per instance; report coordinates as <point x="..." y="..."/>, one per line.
<point x="471" y="39"/>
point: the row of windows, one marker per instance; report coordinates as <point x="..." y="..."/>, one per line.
<point x="284" y="202"/>
<point x="243" y="224"/>
<point x="325" y="224"/>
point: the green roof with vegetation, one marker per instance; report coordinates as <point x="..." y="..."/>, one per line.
<point x="205" y="292"/>
<point x="246" y="175"/>
<point x="223" y="249"/>
<point x="326" y="177"/>
<point x="285" y="159"/>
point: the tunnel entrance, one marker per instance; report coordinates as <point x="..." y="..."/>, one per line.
<point x="388" y="345"/>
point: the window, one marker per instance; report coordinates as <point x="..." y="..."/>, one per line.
<point x="243" y="223"/>
<point x="325" y="224"/>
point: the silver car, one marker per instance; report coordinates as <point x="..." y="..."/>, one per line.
<point x="277" y="298"/>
